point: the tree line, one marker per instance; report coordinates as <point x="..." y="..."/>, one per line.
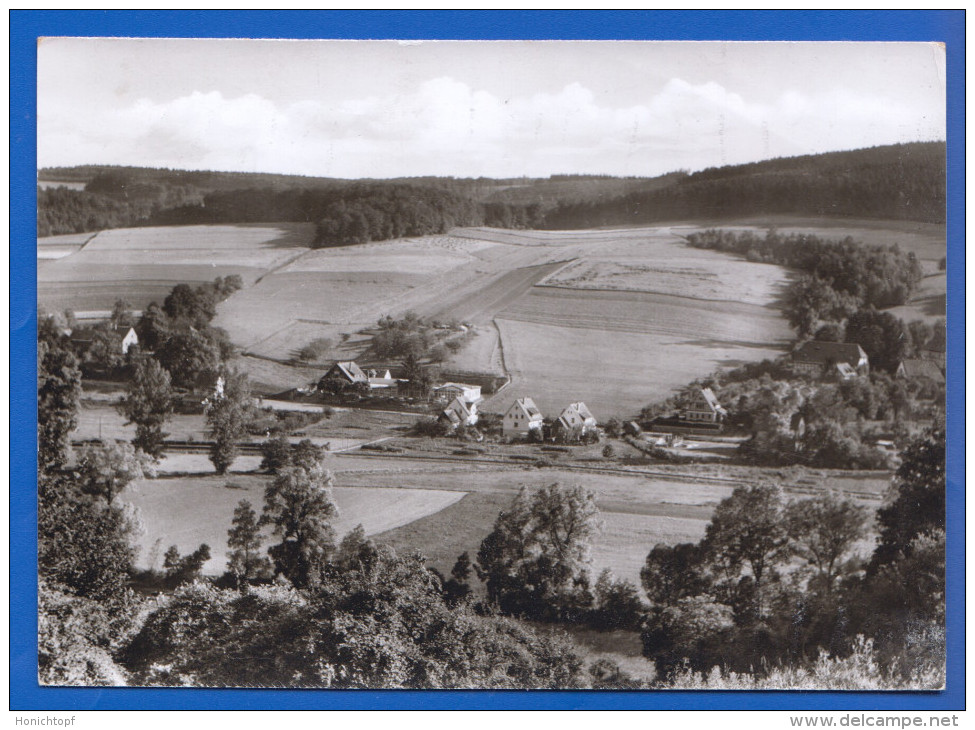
<point x="898" y="182"/>
<point x="901" y="182"/>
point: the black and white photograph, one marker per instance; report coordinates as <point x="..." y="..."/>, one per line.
<point x="578" y="365"/>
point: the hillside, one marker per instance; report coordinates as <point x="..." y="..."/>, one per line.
<point x="897" y="182"/>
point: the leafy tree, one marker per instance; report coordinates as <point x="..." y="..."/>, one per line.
<point x="184" y="569"/>
<point x="693" y="629"/>
<point x="355" y="552"/>
<point x="83" y="545"/>
<point x="227" y="413"/>
<point x="674" y="572"/>
<point x="58" y="397"/>
<point x="244" y="540"/>
<point x="147" y="403"/>
<point x="196" y="306"/>
<point x="276" y="454"/>
<point x="76" y="637"/>
<point x="121" y="317"/>
<point x="188" y="355"/>
<point x="881" y="335"/>
<point x="823" y="529"/>
<point x="298" y="505"/>
<point x="381" y="625"/>
<point x="306" y="455"/>
<point x="153" y="327"/>
<point x="830" y="332"/>
<point x="105" y="350"/>
<point x="108" y="467"/>
<point x="457" y="588"/>
<point x="748" y="529"/>
<point x="917" y="500"/>
<point x="536" y="559"/>
<point x="616" y="603"/>
<point x="812" y="300"/>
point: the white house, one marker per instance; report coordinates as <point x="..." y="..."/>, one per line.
<point x="459" y="413"/>
<point x="131" y="338"/>
<point x="448" y="391"/>
<point x="575" y="417"/>
<point x="701" y="404"/>
<point x="522" y="417"/>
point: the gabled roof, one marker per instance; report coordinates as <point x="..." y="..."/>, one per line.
<point x="576" y="414"/>
<point x="350" y="370"/>
<point x="528" y="407"/>
<point x="712" y="400"/>
<point x="456" y="411"/>
<point x="914" y="368"/>
<point x="826" y="353"/>
<point x="845" y="370"/>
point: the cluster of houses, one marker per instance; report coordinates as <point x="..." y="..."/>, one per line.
<point x="846" y="360"/>
<point x="523" y="418"/>
<point x="699" y="406"/>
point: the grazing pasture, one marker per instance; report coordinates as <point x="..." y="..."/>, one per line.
<point x="618" y="351"/>
<point x="188" y="511"/>
<point x="144" y="264"/>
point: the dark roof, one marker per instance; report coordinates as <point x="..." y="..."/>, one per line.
<point x="827" y="353"/>
<point x="922" y="369"/>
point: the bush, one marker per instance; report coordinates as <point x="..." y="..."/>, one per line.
<point x="315" y="350"/>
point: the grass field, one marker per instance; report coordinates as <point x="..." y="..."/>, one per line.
<point x="926" y="240"/>
<point x="189" y="511"/>
<point x="144" y="264"/>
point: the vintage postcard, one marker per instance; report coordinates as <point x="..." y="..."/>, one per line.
<point x="491" y="364"/>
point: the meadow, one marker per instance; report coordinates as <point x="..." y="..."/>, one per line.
<point x="189" y="511"/>
<point x="142" y="265"/>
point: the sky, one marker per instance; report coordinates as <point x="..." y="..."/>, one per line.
<point x="381" y="109"/>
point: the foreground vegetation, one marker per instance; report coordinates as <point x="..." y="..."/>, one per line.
<point x="771" y="587"/>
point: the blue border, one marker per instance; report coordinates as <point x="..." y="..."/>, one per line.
<point x="946" y="26"/>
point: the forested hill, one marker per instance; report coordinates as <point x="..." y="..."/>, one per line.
<point x="904" y="182"/>
<point x="895" y="182"/>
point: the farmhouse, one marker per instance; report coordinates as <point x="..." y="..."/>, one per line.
<point x="458" y="413"/>
<point x="448" y="391"/>
<point x="701" y="404"/>
<point x="821" y="358"/>
<point x="918" y="369"/>
<point x="348" y="371"/>
<point x="521" y="418"/>
<point x="575" y="419"/>
<point x="130" y="339"/>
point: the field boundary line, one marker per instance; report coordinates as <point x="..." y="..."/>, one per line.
<point x="609" y="290"/>
<point x="286" y="262"/>
<point x="504" y="364"/>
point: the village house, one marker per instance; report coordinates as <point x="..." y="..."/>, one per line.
<point x="458" y="413"/>
<point x="448" y="391"/>
<point x="130" y="339"/>
<point x="521" y="418"/>
<point x="701" y="405"/>
<point x="918" y="369"/>
<point x="821" y="358"/>
<point x="347" y="371"/>
<point x="574" y="420"/>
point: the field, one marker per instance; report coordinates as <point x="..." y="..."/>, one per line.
<point x="144" y="264"/>
<point x="612" y="317"/>
<point x="926" y="240"/>
<point x="189" y="511"/>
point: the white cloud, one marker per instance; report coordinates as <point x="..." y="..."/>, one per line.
<point x="445" y="127"/>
